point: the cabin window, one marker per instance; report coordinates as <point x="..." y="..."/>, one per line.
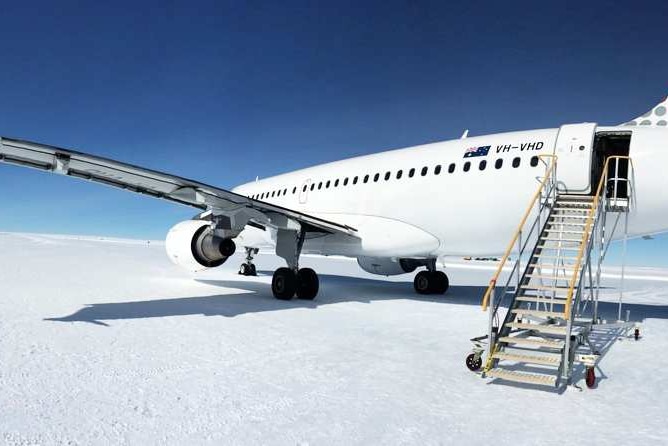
<point x="451" y="168"/>
<point x="304" y="188"/>
<point x="355" y="180"/>
<point x="294" y="189"/>
<point x="285" y="191"/>
<point x="375" y="177"/>
<point x="336" y="183"/>
<point x="273" y="193"/>
<point x="437" y="170"/>
<point x="482" y="165"/>
<point x="387" y="175"/>
<point x="320" y="185"/>
<point x="516" y="162"/>
<point x="424" y="171"/>
<point x="498" y="163"/>
<point x="327" y="185"/>
<point x="345" y="182"/>
<point x="534" y="161"/>
<point x="411" y="173"/>
<point x="366" y="179"/>
<point x="312" y="186"/>
<point x="399" y="173"/>
<point x="467" y="166"/>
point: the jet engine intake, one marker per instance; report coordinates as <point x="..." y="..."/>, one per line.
<point x="194" y="246"/>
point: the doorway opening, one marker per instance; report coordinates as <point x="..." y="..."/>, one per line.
<point x="607" y="144"/>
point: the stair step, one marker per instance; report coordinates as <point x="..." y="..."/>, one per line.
<point x="541" y="328"/>
<point x="529" y="359"/>
<point x="579" y="217"/>
<point x="541" y="300"/>
<point x="544" y="288"/>
<point x="551" y="343"/>
<point x="575" y="203"/>
<point x="540" y="265"/>
<point x="562" y="231"/>
<point x="547" y="277"/>
<point x="561" y="239"/>
<point x="527" y="378"/>
<point x="571" y="209"/>
<point x="545" y="256"/>
<point x="538" y="313"/>
<point x="576" y="196"/>
<point x="570" y="248"/>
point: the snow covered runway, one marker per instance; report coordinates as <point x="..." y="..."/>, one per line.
<point x="106" y="342"/>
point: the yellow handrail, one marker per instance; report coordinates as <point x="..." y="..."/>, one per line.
<point x="492" y="283"/>
<point x="590" y="220"/>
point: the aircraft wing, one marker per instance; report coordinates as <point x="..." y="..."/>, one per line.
<point x="156" y="184"/>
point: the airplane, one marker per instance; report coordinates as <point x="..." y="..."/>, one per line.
<point x="394" y="211"/>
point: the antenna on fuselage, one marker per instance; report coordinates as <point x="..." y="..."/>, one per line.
<point x="465" y="134"/>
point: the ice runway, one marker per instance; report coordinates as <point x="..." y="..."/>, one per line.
<point x="106" y="342"/>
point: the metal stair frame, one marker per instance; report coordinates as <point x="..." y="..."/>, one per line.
<point x="581" y="281"/>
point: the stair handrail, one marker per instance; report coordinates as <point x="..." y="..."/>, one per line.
<point x="594" y="212"/>
<point x="550" y="174"/>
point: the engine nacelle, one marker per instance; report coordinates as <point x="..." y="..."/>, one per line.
<point x="194" y="246"/>
<point x="384" y="266"/>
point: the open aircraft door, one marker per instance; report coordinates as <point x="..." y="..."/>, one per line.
<point x="574" y="152"/>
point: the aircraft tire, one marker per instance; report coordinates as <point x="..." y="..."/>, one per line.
<point x="284" y="284"/>
<point x="441" y="282"/>
<point x="423" y="282"/>
<point x="307" y="284"/>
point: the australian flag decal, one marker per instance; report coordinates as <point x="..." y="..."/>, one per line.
<point x="476" y="151"/>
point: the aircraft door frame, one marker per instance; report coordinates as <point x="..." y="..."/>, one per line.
<point x="574" y="148"/>
<point x="303" y="191"/>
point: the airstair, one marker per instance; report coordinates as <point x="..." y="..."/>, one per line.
<point x="540" y="319"/>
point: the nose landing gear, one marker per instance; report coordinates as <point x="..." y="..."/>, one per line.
<point x="248" y="267"/>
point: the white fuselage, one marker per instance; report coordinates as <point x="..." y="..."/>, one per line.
<point x="446" y="210"/>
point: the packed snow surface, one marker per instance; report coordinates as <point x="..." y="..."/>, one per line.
<point x="104" y="341"/>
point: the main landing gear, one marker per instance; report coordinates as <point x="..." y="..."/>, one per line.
<point x="291" y="281"/>
<point x="431" y="281"/>
<point x="286" y="283"/>
<point x="248" y="267"/>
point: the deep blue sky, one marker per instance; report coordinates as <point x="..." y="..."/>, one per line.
<point x="224" y="91"/>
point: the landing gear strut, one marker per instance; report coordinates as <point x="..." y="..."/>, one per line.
<point x="291" y="281"/>
<point x="431" y="281"/>
<point x="248" y="267"/>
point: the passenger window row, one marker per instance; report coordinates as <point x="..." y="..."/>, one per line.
<point x="482" y="165"/>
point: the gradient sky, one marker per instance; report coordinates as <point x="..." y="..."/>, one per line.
<point x="226" y="91"/>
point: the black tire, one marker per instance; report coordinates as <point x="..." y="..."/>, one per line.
<point x="243" y="269"/>
<point x="307" y="284"/>
<point x="423" y="282"/>
<point x="284" y="284"/>
<point x="441" y="282"/>
<point x="472" y="363"/>
<point x="253" y="270"/>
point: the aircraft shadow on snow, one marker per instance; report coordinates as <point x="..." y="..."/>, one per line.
<point x="256" y="297"/>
